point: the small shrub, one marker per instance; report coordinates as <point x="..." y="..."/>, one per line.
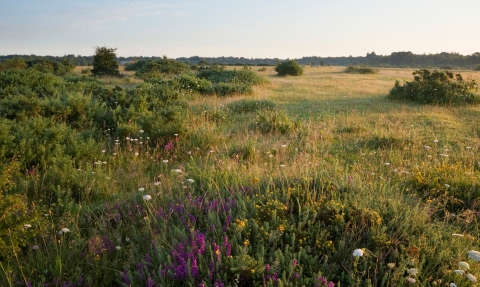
<point x="290" y="68"/>
<point x="436" y="87"/>
<point x="360" y="70"/>
<point x="273" y="122"/>
<point x="477" y="68"/>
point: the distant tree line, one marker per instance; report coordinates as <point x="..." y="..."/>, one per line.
<point x="396" y="59"/>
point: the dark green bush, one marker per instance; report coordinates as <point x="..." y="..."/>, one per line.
<point x="218" y="75"/>
<point x="104" y="63"/>
<point x="190" y="84"/>
<point x="135" y="65"/>
<point x="161" y="68"/>
<point x="360" y="70"/>
<point x="436" y="87"/>
<point x="229" y="82"/>
<point x="477" y="68"/>
<point x="289" y="68"/>
<point x="15" y="63"/>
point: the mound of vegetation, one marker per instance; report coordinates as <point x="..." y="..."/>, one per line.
<point x="360" y="70"/>
<point x="135" y="65"/>
<point x="160" y="68"/>
<point x="289" y="68"/>
<point x="436" y="87"/>
<point x="477" y="68"/>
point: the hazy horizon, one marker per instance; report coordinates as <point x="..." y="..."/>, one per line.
<point x="265" y="29"/>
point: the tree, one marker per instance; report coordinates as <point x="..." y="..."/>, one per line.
<point x="104" y="63"/>
<point x="289" y="67"/>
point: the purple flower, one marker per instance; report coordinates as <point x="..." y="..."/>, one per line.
<point x="294" y="262"/>
<point x="267" y="267"/>
<point x="150" y="282"/>
<point x="194" y="268"/>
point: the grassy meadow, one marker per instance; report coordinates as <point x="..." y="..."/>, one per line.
<point x="317" y="180"/>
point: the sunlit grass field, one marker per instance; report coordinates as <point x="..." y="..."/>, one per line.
<point x="316" y="180"/>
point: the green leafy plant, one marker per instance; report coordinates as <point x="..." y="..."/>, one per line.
<point x="436" y="87"/>
<point x="289" y="68"/>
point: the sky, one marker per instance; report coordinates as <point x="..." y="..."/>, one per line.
<point x="247" y="28"/>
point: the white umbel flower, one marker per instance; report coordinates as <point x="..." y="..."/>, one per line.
<point x="358" y="252"/>
<point x="475" y="255"/>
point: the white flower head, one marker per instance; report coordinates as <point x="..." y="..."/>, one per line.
<point x="358" y="252"/>
<point x="463" y="265"/>
<point x="141" y="189"/>
<point x="118" y="248"/>
<point x="475" y="255"/>
<point x="26" y="225"/>
<point x="177" y="170"/>
<point x="453" y="285"/>
<point x="65" y="230"/>
<point x="35" y="247"/>
<point x="411" y="280"/>
<point x="156" y="183"/>
<point x="165" y="161"/>
<point x="190" y="180"/>
<point x="471" y="277"/>
<point x="412" y="271"/>
<point x="147" y="197"/>
<point x="426" y="147"/>
<point x="459" y="272"/>
<point x="435" y="141"/>
<point x="141" y="131"/>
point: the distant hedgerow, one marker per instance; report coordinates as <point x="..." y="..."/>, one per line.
<point x="360" y="70"/>
<point x="436" y="87"/>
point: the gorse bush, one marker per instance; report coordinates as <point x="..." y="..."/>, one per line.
<point x="289" y="68"/>
<point x="437" y="87"/>
<point x="160" y="68"/>
<point x="360" y="70"/>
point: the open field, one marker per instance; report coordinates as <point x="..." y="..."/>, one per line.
<point x="275" y="188"/>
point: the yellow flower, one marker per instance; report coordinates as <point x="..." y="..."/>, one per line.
<point x="246" y="242"/>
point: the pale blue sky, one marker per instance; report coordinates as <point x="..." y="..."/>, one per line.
<point x="258" y="29"/>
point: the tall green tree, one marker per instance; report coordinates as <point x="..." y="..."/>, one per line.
<point x="104" y="63"/>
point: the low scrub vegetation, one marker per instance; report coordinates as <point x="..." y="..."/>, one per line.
<point x="360" y="70"/>
<point x="437" y="87"/>
<point x="152" y="183"/>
